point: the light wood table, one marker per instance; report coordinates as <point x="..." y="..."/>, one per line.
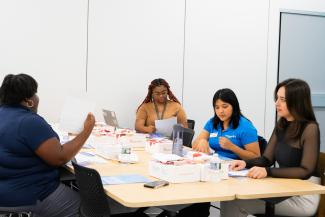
<point x="275" y="187"/>
<point x="135" y="195"/>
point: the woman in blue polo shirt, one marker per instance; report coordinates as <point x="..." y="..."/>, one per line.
<point x="30" y="153"/>
<point x="228" y="133"/>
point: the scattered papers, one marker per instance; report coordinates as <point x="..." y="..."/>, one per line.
<point x="124" y="179"/>
<point x="164" y="158"/>
<point x="155" y="136"/>
<point x="88" y="143"/>
<point x="128" y="158"/>
<point x="240" y="173"/>
<point x="197" y="155"/>
<point x="225" y="158"/>
<point x="110" y="152"/>
<point x="87" y="146"/>
<point x="74" y="114"/>
<point x="84" y="158"/>
<point x="159" y="145"/>
<point x="165" y="126"/>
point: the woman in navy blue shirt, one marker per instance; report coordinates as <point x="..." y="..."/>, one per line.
<point x="30" y="153"/>
<point x="228" y="133"/>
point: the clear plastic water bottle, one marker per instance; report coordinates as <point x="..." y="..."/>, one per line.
<point x="125" y="155"/>
<point x="215" y="168"/>
<point x="215" y="163"/>
<point x="125" y="148"/>
<point x="178" y="142"/>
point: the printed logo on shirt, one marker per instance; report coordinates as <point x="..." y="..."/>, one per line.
<point x="231" y="136"/>
<point x="212" y="135"/>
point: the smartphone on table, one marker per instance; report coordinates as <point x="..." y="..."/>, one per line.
<point x="156" y="184"/>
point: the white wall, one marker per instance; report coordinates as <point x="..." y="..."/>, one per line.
<point x="46" y="39"/>
<point x="275" y="7"/>
<point x="226" y="46"/>
<point x="130" y="44"/>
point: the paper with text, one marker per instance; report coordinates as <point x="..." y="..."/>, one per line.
<point x="165" y="126"/>
<point x="74" y="114"/>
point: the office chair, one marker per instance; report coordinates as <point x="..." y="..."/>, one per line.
<point x="191" y="123"/>
<point x="68" y="178"/>
<point x="94" y="201"/>
<point x="5" y="213"/>
<point x="321" y="171"/>
<point x="187" y="134"/>
<point x="262" y="144"/>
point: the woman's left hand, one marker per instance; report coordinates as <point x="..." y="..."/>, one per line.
<point x="225" y="143"/>
<point x="257" y="173"/>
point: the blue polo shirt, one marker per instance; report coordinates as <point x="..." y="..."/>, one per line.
<point x="244" y="134"/>
<point x="24" y="177"/>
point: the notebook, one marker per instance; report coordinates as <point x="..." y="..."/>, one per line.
<point x="110" y="118"/>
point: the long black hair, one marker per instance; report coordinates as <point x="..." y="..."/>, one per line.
<point x="298" y="100"/>
<point x="228" y="96"/>
<point x="17" y="88"/>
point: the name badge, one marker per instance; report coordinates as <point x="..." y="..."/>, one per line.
<point x="212" y="135"/>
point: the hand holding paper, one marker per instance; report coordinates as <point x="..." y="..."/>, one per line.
<point x="89" y="122"/>
<point x="74" y="113"/>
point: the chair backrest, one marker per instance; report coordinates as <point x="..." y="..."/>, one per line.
<point x="187" y="134"/>
<point x="262" y="144"/>
<point x="94" y="201"/>
<point x="321" y="170"/>
<point x="13" y="214"/>
<point x="191" y="123"/>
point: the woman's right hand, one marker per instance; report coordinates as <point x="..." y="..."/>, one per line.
<point x="89" y="122"/>
<point x="151" y="129"/>
<point x="202" y="146"/>
<point x="237" y="165"/>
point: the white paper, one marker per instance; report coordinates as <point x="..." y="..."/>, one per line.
<point x="166" y="157"/>
<point x="74" y="114"/>
<point x="85" y="157"/>
<point x="240" y="173"/>
<point x="165" y="126"/>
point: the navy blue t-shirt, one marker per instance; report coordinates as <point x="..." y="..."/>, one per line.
<point x="244" y="134"/>
<point x="24" y="177"/>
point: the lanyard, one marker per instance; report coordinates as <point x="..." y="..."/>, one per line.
<point x="163" y="112"/>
